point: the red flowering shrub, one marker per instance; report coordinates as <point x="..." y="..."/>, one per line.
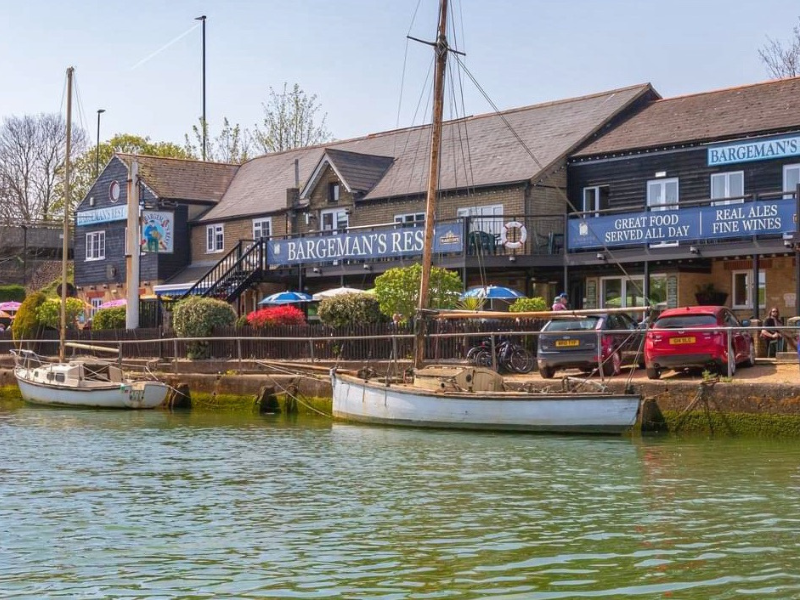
<point x="276" y="315"/>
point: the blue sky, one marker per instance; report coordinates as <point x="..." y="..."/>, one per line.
<point x="353" y="54"/>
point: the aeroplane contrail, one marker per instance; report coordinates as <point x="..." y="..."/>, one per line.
<point x="164" y="47"/>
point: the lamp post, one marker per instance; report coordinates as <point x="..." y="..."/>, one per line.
<point x="100" y="111"/>
<point x="203" y="123"/>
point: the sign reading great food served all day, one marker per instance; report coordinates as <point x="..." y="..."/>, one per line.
<point x="378" y="243"/>
<point x="687" y="224"/>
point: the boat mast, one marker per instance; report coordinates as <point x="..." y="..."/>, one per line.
<point x="62" y="338"/>
<point x="433" y="179"/>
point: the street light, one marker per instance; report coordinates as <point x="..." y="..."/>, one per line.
<point x="203" y="124"/>
<point x="100" y="111"/>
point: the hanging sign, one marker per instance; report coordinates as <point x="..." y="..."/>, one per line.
<point x="157" y="232"/>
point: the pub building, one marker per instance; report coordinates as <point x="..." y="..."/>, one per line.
<point x="680" y="192"/>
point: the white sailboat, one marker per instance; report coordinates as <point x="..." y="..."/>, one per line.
<point x="80" y="383"/>
<point x="470" y="397"/>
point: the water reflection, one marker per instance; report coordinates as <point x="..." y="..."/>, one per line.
<point x="156" y="504"/>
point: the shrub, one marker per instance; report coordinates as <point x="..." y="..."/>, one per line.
<point x="242" y="322"/>
<point x="12" y="293"/>
<point x="26" y="322"/>
<point x="397" y="290"/>
<point x="347" y="310"/>
<point x="276" y="315"/>
<point x="528" y="305"/>
<point x="197" y="317"/>
<point x="109" y="318"/>
<point x="48" y="312"/>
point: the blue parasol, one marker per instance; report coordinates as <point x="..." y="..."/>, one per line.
<point x="285" y="298"/>
<point x="493" y="292"/>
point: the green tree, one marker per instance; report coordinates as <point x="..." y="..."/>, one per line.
<point x="48" y="313"/>
<point x="347" y="310"/>
<point x="84" y="165"/>
<point x="232" y="145"/>
<point x="397" y="290"/>
<point x="109" y="318"/>
<point x="290" y="121"/>
<point x="528" y="305"/>
<point x="26" y="321"/>
<point x="196" y="317"/>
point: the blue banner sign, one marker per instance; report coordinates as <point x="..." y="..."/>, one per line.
<point x="102" y="215"/>
<point x="764" y="217"/>
<point x="764" y="149"/>
<point x="378" y="243"/>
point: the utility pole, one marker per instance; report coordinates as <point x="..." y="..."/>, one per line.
<point x="100" y="111"/>
<point x="132" y="265"/>
<point x="203" y="124"/>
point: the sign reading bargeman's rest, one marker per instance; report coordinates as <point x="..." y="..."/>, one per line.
<point x="157" y="231"/>
<point x="378" y="243"/>
<point x="757" y="149"/>
<point x="720" y="221"/>
<point x="102" y="215"/>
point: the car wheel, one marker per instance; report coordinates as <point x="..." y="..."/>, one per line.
<point x="751" y="356"/>
<point x="613" y="364"/>
<point x="653" y="373"/>
<point x="547" y="372"/>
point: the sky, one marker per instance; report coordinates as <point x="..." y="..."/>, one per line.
<point x="142" y="61"/>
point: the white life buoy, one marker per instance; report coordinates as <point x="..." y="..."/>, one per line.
<point x="522" y="236"/>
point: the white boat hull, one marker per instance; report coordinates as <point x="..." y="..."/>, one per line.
<point x="367" y="402"/>
<point x="131" y="395"/>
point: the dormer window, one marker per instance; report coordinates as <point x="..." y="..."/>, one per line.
<point x="333" y="192"/>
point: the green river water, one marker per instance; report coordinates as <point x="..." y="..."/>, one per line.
<point x="102" y="504"/>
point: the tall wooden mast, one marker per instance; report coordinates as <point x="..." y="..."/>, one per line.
<point x="62" y="337"/>
<point x="441" y="50"/>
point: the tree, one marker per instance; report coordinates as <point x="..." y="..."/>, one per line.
<point x="232" y="145"/>
<point x="289" y="121"/>
<point x="32" y="160"/>
<point x="782" y="62"/>
<point x="397" y="290"/>
<point x="85" y="164"/>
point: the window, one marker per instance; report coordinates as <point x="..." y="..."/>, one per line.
<point x="484" y="218"/>
<point x="262" y="228"/>
<point x="410" y="219"/>
<point x="791" y="177"/>
<point x="335" y="219"/>
<point x="617" y="292"/>
<point x="215" y="238"/>
<point x="662" y="194"/>
<point x="96" y="245"/>
<point x="728" y="185"/>
<point x="333" y="192"/>
<point x="96" y="302"/>
<point x="742" y="286"/>
<point x="595" y="198"/>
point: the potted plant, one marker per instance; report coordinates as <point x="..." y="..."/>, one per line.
<point x="708" y="295"/>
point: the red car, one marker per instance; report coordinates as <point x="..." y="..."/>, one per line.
<point x="679" y="340"/>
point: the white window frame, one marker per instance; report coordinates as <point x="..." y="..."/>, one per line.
<point x="748" y="277"/>
<point x="215" y="238"/>
<point x="728" y="197"/>
<point x="659" y="201"/>
<point x="258" y="228"/>
<point x="410" y="219"/>
<point x="95" y="246"/>
<point x="339" y="219"/>
<point x="592" y="199"/>
<point x="95" y="302"/>
<point x="787" y="169"/>
<point x="484" y="218"/>
<point x="334" y="191"/>
<point x="625" y="282"/>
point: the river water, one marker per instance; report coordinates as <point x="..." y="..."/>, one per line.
<point x="102" y="504"/>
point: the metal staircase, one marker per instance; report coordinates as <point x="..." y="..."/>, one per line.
<point x="234" y="273"/>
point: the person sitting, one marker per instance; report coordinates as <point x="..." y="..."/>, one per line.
<point x="771" y="335"/>
<point x="560" y="302"/>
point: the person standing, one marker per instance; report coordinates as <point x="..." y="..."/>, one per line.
<point x="560" y="302"/>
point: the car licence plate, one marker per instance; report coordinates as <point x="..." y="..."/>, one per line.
<point x="567" y="343"/>
<point x="683" y="340"/>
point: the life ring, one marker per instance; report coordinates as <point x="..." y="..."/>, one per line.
<point x="522" y="236"/>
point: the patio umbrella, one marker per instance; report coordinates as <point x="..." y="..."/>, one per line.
<point x="10" y="306"/>
<point x="4" y="315"/>
<point x="337" y="292"/>
<point x="285" y="298"/>
<point x="493" y="292"/>
<point x="113" y="303"/>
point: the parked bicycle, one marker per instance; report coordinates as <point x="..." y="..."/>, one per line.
<point x="509" y="356"/>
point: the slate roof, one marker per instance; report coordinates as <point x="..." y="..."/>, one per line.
<point x="359" y="172"/>
<point x="769" y="107"/>
<point x="494" y="156"/>
<point x="182" y="179"/>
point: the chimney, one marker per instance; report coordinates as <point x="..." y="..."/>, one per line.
<point x="297" y="172"/>
<point x="292" y="197"/>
